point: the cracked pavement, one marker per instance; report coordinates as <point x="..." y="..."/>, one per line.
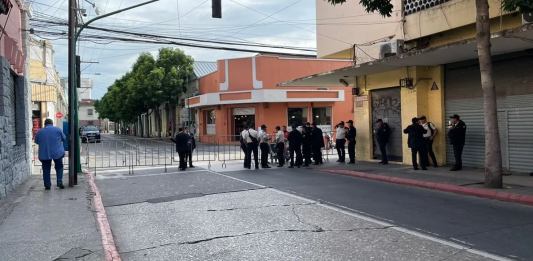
<point x="226" y="219"/>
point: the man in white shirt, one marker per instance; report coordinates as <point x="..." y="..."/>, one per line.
<point x="250" y="137"/>
<point x="280" y="146"/>
<point x="263" y="145"/>
<point x="428" y="138"/>
<point x="340" y="140"/>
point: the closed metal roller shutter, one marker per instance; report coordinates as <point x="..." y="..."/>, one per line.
<point x="515" y="112"/>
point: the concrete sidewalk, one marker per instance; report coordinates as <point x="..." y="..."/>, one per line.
<point x="36" y="224"/>
<point x="467" y="180"/>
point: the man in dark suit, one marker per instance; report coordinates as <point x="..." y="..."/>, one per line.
<point x="182" y="147"/>
<point x="350" y="137"/>
<point x="191" y="143"/>
<point x="306" y="144"/>
<point x="416" y="142"/>
<point x="382" y="136"/>
<point x="457" y="135"/>
<point x="295" y="146"/>
<point x="317" y="143"/>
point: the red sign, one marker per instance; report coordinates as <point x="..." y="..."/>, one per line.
<point x="59" y="115"/>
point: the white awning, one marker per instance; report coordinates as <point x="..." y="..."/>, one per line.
<point x="503" y="42"/>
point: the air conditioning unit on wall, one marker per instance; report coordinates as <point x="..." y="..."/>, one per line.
<point x="390" y="48"/>
<point x="527" y="18"/>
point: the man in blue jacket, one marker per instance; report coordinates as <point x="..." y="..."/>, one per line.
<point x="50" y="140"/>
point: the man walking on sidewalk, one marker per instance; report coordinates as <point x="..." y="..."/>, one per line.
<point x="350" y="137"/>
<point x="50" y="140"/>
<point x="382" y="137"/>
<point x="415" y="140"/>
<point x="429" y="136"/>
<point x="306" y="144"/>
<point x="317" y="143"/>
<point x="340" y="140"/>
<point x="457" y="134"/>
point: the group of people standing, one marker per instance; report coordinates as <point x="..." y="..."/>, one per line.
<point x="304" y="144"/>
<point x="421" y="135"/>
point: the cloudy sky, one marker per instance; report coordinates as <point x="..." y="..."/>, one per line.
<point x="279" y="22"/>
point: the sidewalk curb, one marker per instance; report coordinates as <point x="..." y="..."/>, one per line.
<point x="108" y="243"/>
<point x="477" y="192"/>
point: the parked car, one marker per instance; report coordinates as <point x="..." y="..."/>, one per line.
<point x="90" y="134"/>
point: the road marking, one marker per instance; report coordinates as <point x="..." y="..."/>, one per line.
<point x="135" y="169"/>
<point x="354" y="213"/>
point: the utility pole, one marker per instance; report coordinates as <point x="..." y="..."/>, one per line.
<point x="72" y="21"/>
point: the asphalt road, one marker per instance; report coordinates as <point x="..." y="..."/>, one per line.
<point x="497" y="227"/>
<point x="503" y="229"/>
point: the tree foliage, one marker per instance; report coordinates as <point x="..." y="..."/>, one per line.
<point x="152" y="81"/>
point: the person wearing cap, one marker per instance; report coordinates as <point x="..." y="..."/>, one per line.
<point x="415" y="140"/>
<point x="50" y="140"/>
<point x="340" y="140"/>
<point x="429" y="136"/>
<point x="306" y="144"/>
<point x="457" y="134"/>
<point x="382" y="136"/>
<point x="263" y="145"/>
<point x="350" y="137"/>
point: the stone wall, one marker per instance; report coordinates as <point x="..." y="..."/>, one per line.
<point x="15" y="141"/>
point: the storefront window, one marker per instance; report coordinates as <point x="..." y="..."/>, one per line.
<point x="296" y="116"/>
<point x="210" y="120"/>
<point x="322" y="116"/>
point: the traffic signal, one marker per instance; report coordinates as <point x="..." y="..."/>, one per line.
<point x="216" y="7"/>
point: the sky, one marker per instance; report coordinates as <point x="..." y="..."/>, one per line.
<point x="279" y="22"/>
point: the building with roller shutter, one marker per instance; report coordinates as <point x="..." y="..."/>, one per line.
<point x="423" y="61"/>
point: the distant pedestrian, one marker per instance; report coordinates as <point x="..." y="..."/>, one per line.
<point x="182" y="147"/>
<point x="340" y="141"/>
<point x="191" y="143"/>
<point x="317" y="143"/>
<point x="382" y="136"/>
<point x="306" y="144"/>
<point x="251" y="137"/>
<point x="50" y="140"/>
<point x="295" y="147"/>
<point x="263" y="145"/>
<point x="457" y="135"/>
<point x="280" y="146"/>
<point x="429" y="136"/>
<point x="415" y="140"/>
<point x="350" y="137"/>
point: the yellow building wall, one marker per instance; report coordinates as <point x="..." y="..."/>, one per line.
<point x="416" y="102"/>
<point x="448" y="16"/>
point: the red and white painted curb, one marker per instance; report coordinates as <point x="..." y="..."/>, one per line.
<point x="108" y="243"/>
<point x="478" y="192"/>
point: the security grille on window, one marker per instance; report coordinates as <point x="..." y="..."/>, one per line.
<point x="413" y="6"/>
<point x="90" y="112"/>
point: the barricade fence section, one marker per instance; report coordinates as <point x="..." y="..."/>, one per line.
<point x="139" y="152"/>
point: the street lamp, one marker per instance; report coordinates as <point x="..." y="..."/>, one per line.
<point x="73" y="35"/>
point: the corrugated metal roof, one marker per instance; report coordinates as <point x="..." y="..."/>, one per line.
<point x="202" y="69"/>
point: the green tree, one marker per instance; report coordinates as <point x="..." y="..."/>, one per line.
<point x="493" y="158"/>
<point x="150" y="83"/>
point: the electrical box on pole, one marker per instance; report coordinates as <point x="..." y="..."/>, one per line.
<point x="216" y="7"/>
